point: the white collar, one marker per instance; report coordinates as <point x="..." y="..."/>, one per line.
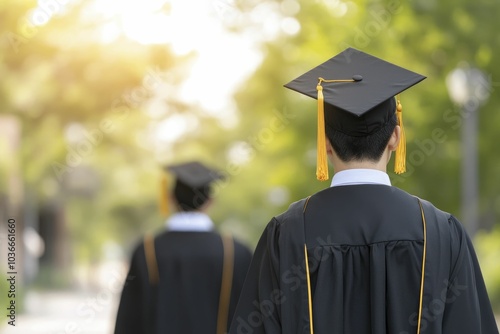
<point x="190" y="221"/>
<point x="360" y="176"/>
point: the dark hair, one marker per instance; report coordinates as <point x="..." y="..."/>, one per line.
<point x="371" y="147"/>
<point x="190" y="199"/>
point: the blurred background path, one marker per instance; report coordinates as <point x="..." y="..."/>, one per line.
<point x="58" y="312"/>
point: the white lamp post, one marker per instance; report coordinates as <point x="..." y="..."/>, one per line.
<point x="469" y="88"/>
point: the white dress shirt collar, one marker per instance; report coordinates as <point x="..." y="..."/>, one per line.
<point x="360" y="176"/>
<point x="190" y="222"/>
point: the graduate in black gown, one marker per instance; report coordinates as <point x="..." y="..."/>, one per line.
<point x="362" y="256"/>
<point x="187" y="279"/>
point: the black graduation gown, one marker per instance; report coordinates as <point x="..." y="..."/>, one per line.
<point x="186" y="299"/>
<point x="365" y="251"/>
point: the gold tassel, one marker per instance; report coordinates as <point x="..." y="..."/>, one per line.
<point x="322" y="160"/>
<point x="400" y="159"/>
<point x="164" y="198"/>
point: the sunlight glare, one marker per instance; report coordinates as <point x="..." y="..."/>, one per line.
<point x="142" y="21"/>
<point x="221" y="60"/>
<point x="172" y="128"/>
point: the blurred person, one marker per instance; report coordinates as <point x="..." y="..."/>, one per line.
<point x="188" y="278"/>
<point x="34" y="247"/>
<point x="362" y="256"/>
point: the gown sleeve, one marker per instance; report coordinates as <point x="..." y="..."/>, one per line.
<point x="129" y="318"/>
<point x="243" y="257"/>
<point x="468" y="308"/>
<point x="258" y="307"/>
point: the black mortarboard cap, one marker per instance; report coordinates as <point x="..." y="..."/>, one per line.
<point x="194" y="174"/>
<point x="378" y="81"/>
<point x="358" y="90"/>
<point x="193" y="181"/>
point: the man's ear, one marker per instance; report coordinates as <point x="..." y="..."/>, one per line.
<point x="329" y="149"/>
<point x="393" y="143"/>
<point x="206" y="205"/>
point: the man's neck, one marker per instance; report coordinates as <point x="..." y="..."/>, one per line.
<point x="340" y="165"/>
<point x="380" y="165"/>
